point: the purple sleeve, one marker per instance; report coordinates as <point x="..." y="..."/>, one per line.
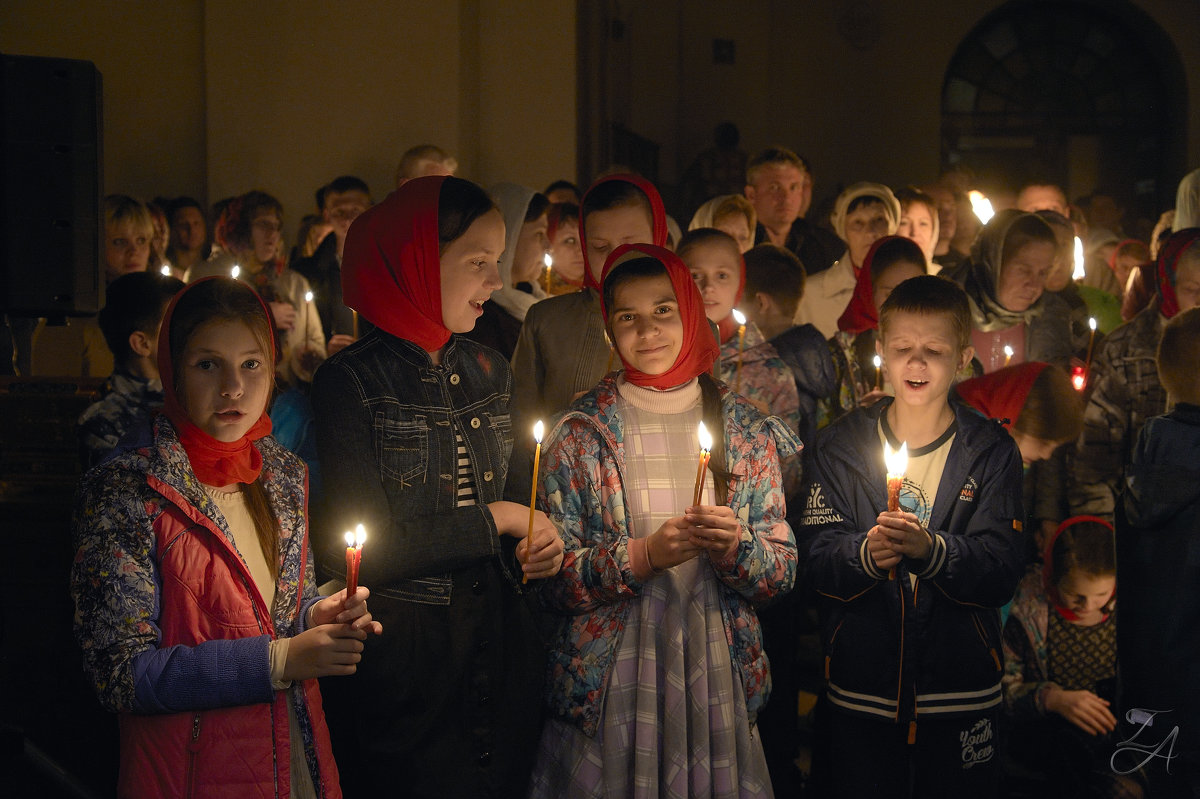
<point x="220" y="673"/>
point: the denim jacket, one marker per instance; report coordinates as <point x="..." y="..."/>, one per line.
<point x="444" y="695"/>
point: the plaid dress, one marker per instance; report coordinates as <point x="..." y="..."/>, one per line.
<point x="674" y="719"/>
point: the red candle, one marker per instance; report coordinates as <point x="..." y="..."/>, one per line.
<point x="354" y="544"/>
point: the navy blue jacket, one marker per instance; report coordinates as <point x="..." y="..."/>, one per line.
<point x="898" y="649"/>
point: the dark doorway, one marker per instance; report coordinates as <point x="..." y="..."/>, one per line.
<point x="1088" y="95"/>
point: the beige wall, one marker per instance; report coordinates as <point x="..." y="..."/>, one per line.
<point x="215" y="98"/>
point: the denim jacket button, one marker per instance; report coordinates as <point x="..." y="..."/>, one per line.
<point x="477" y="588"/>
<point x="485" y="759"/>
<point x="454" y="379"/>
<point x="487" y="477"/>
<point x="475" y="422"/>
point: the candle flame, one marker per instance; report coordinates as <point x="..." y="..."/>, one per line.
<point x="878" y="361"/>
<point x="705" y="438"/>
<point x="896" y="460"/>
<point x="1078" y="380"/>
<point x="1092" y="322"/>
<point x="233" y="273"/>
<point x="308" y="296"/>
<point x="349" y="538"/>
<point x="1008" y="351"/>
<point x="1079" y="272"/>
<point x="360" y="536"/>
<point x="538" y="429"/>
<point x="548" y="260"/>
<point x="166" y="269"/>
<point x="739" y="317"/>
<point x="981" y="205"/>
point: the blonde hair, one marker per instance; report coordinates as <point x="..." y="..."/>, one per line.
<point x="119" y="208"/>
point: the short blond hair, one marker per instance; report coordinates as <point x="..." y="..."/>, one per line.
<point x="1178" y="356"/>
<point x="120" y="208"/>
<point x="415" y="159"/>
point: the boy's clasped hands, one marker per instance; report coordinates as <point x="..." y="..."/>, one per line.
<point x="898" y="534"/>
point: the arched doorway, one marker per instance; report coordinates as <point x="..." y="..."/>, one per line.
<point x="1087" y="95"/>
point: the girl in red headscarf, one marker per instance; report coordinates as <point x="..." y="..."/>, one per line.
<point x="414" y="435"/>
<point x="1060" y="664"/>
<point x="196" y="602"/>
<point x="658" y="588"/>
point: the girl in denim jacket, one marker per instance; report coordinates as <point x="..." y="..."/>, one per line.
<point x="657" y="669"/>
<point x="414" y="435"/>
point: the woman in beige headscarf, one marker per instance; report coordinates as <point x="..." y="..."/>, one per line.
<point x="731" y="213"/>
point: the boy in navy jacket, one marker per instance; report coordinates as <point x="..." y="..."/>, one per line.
<point x="910" y="599"/>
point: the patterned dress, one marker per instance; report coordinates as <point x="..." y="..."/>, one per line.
<point x="674" y="720"/>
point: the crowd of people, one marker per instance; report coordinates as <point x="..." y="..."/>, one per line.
<point x="621" y="607"/>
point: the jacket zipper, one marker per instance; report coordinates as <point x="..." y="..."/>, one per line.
<point x="912" y="724"/>
<point x="193" y="753"/>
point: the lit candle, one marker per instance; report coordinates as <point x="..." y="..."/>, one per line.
<point x="537" y="457"/>
<point x="166" y="269"/>
<point x="1008" y="353"/>
<point x="548" y="260"/>
<point x="705" y="450"/>
<point x="896" y="462"/>
<point x="740" y="318"/>
<point x="1078" y="378"/>
<point x="308" y="298"/>
<point x="1087" y="362"/>
<point x="233" y="273"/>
<point x="981" y="205"/>
<point x="878" y="373"/>
<point x="354" y="544"/>
<point x="1080" y="272"/>
<point x="612" y="351"/>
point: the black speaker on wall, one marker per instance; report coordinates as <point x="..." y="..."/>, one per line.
<point x="50" y="187"/>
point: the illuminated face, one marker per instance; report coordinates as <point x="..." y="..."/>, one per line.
<point x="1023" y="276"/>
<point x="1187" y="282"/>
<point x="1086" y="594"/>
<point x="567" y="251"/>
<point x="864" y="226"/>
<point x="1043" y="198"/>
<point x="921" y="356"/>
<point x="189" y="229"/>
<point x="342" y="208"/>
<point x="916" y="223"/>
<point x="470" y="272"/>
<point x="529" y="255"/>
<point x="780" y="193"/>
<point x="737" y="226"/>
<point x="126" y="249"/>
<point x="266" y="236"/>
<point x="717" y="272"/>
<point x="608" y="229"/>
<point x="645" y="322"/>
<point x="893" y="276"/>
<point x="224" y="379"/>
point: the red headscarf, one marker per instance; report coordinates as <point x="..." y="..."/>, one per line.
<point x="658" y="219"/>
<point x="699" y="350"/>
<point x="861" y="314"/>
<point x="1002" y="394"/>
<point x="1168" y="262"/>
<point x="1048" y="566"/>
<point x="391" y="265"/>
<point x="215" y="463"/>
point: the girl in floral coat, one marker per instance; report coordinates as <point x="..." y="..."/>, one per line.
<point x="657" y="670"/>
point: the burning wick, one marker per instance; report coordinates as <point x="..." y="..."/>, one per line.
<point x="740" y="318"/>
<point x="166" y="269"/>
<point x="878" y="373"/>
<point x="705" y="450"/>
<point x="981" y="205"/>
<point x="896" y="462"/>
<point x="1008" y="353"/>
<point x="233" y="273"/>
<point x="537" y="457"/>
<point x="1080" y="273"/>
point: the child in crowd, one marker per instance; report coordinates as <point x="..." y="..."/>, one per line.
<point x="774" y="286"/>
<point x="129" y="320"/>
<point x="748" y="364"/>
<point x="521" y="264"/>
<point x="249" y="232"/>
<point x="1125" y="387"/>
<point x="414" y="436"/>
<point x="565" y="275"/>
<point x="1060" y="665"/>
<point x="562" y="350"/>
<point x="890" y="261"/>
<point x="656" y="668"/>
<point x="1158" y="535"/>
<point x="195" y="600"/>
<point x="913" y="670"/>
<point x="1036" y="403"/>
